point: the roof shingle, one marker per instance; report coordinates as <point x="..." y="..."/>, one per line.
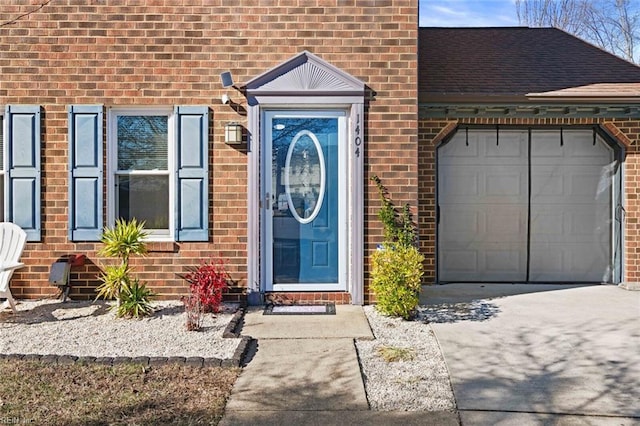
<point x="509" y="62"/>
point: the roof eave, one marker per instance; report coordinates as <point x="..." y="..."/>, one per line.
<point x="584" y="99"/>
<point x="533" y="98"/>
<point x="443" y="98"/>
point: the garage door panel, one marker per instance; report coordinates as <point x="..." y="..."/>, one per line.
<point x="497" y="262"/>
<point x="490" y="184"/>
<point x="508" y="224"/>
<point x="485" y="207"/>
<point x="570" y="226"/>
<point x="483" y="235"/>
<point x="571" y="186"/>
<point x="511" y="144"/>
<point x="460" y="185"/>
<point x="459" y="262"/>
<point x="595" y="266"/>
<point x="547" y="182"/>
<point x="546" y="144"/>
<point x="457" y="150"/>
<point x="504" y="183"/>
<point x="583" y="184"/>
<point x="501" y="261"/>
<point x="547" y="262"/>
<point x="458" y="222"/>
<point x="473" y="226"/>
<point x="588" y="226"/>
<point x="482" y="147"/>
<point x="546" y="224"/>
<point x="581" y="149"/>
<point x="568" y="263"/>
<point x="576" y="148"/>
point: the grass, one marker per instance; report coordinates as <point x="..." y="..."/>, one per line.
<point x="126" y="394"/>
<point x="395" y="354"/>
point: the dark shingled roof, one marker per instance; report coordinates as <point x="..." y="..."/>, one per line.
<point x="457" y="64"/>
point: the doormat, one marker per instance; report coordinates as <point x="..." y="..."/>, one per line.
<point x="328" y="309"/>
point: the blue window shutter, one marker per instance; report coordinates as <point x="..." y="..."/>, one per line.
<point x="192" y="170"/>
<point x="85" y="172"/>
<point x="23" y="168"/>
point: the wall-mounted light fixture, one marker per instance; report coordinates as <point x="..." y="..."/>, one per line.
<point x="226" y="79"/>
<point x="233" y="133"/>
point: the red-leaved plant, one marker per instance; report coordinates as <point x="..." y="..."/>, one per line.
<point x="207" y="282"/>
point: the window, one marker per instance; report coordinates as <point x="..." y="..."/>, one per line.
<point x="157" y="171"/>
<point x="140" y="169"/>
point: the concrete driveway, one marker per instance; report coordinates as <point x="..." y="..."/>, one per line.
<point x="540" y="354"/>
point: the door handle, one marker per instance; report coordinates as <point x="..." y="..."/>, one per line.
<point x="267" y="201"/>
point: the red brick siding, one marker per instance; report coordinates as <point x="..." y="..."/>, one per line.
<point x="432" y="131"/>
<point x="171" y="52"/>
<point x="340" y="298"/>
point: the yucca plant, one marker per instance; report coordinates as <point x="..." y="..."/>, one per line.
<point x="113" y="279"/>
<point x="125" y="239"/>
<point x="134" y="300"/>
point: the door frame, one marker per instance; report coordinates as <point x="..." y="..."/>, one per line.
<point x="266" y="231"/>
<point x="306" y="81"/>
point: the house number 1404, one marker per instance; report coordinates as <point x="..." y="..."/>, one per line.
<point x="357" y="140"/>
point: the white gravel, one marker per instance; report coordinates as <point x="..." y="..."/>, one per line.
<point x="419" y="384"/>
<point x="49" y="327"/>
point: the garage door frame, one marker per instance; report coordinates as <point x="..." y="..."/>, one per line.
<point x="617" y="213"/>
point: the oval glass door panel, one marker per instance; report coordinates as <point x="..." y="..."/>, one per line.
<point x="304" y="212"/>
<point x="304" y="179"/>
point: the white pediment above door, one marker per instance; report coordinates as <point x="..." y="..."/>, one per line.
<point x="305" y="74"/>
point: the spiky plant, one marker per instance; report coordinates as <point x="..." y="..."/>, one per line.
<point x="134" y="300"/>
<point x="113" y="279"/>
<point x="125" y="239"/>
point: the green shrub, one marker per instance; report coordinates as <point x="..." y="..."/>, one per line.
<point x="397" y="266"/>
<point x="134" y="300"/>
<point x="398" y="228"/>
<point x="396" y="279"/>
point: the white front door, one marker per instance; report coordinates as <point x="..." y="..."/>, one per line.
<point x="304" y="193"/>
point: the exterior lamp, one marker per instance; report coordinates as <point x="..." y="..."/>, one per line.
<point x="233" y="133"/>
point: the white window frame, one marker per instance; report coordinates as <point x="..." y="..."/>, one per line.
<point x="112" y="164"/>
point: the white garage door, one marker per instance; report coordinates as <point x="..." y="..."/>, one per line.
<point x="525" y="206"/>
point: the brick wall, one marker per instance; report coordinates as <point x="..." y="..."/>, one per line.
<point x="171" y="52"/>
<point x="433" y="131"/>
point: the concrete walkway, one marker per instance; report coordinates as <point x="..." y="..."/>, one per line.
<point x="305" y="371"/>
<point x="529" y="355"/>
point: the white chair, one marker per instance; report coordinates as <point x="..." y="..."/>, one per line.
<point x="12" y="241"/>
